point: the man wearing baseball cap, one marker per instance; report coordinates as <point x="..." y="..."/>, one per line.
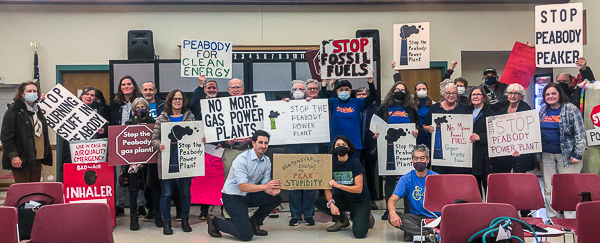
<point x="493" y="88"/>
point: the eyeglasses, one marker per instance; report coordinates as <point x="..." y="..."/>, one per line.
<point x="513" y="93"/>
<point x="451" y="94"/>
<point x="418" y="159"/>
<point x="476" y="94"/>
<point x="236" y="87"/>
<point x="177" y="99"/>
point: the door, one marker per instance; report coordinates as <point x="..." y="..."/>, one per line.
<point x="77" y="80"/>
<point x="432" y="77"/>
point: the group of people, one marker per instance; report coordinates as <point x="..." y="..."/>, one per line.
<point x="353" y="147"/>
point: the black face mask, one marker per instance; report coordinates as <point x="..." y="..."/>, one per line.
<point x="491" y="80"/>
<point x="565" y="87"/>
<point x="341" y="151"/>
<point x="399" y="95"/>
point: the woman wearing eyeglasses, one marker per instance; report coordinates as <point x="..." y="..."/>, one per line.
<point x="449" y="105"/>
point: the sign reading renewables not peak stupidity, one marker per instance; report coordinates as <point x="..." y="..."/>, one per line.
<point x="204" y="57"/>
<point x="558" y="34"/>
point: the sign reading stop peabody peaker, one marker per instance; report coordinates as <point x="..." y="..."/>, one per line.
<point x="131" y="144"/>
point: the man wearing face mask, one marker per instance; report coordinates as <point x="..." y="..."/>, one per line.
<point x="493" y="88"/>
<point x="302" y="202"/>
<point x="345" y="111"/>
<point x="205" y="89"/>
<point x="413" y="185"/>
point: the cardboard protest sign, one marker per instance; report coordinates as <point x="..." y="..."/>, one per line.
<point x="313" y="57"/>
<point x="297" y="121"/>
<point x="207" y="189"/>
<point x="68" y="116"/>
<point x="204" y="57"/>
<point x="411" y="46"/>
<point x="512" y="132"/>
<point x="131" y="144"/>
<point x="232" y="117"/>
<point x="89" y="151"/>
<point x="558" y="34"/>
<point x="302" y="171"/>
<point x="520" y="66"/>
<point x="394" y="146"/>
<point x="90" y="183"/>
<point x="451" y="140"/>
<point x="183" y="155"/>
<point x="347" y="58"/>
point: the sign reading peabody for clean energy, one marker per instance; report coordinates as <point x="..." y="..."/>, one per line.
<point x="204" y="57"/>
<point x="558" y="34"/>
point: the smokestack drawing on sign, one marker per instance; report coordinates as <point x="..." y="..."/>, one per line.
<point x="438" y="153"/>
<point x="405" y="32"/>
<point x="176" y="134"/>
<point x="392" y="136"/>
<point x="272" y="116"/>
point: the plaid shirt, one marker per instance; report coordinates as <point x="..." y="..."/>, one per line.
<point x="572" y="134"/>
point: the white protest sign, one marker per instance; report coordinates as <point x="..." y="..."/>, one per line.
<point x="411" y="46"/>
<point x="347" y="58"/>
<point x="183" y="155"/>
<point x="297" y="121"/>
<point x="451" y="140"/>
<point x="558" y="34"/>
<point x="89" y="151"/>
<point x="204" y="57"/>
<point x="518" y="131"/>
<point x="232" y="117"/>
<point x="394" y="145"/>
<point x="68" y="116"/>
<point x="593" y="136"/>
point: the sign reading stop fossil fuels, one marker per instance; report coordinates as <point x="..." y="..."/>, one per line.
<point x="131" y="144"/>
<point x="347" y="58"/>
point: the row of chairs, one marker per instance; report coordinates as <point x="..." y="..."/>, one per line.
<point x="58" y="222"/>
<point x="518" y="192"/>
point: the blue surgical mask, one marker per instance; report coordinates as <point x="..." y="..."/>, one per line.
<point x="31" y="97"/>
<point x="344" y="95"/>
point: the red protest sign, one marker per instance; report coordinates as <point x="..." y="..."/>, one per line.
<point x="90" y="183"/>
<point x="595" y="115"/>
<point x="520" y="65"/>
<point x="131" y="144"/>
<point x="207" y="189"/>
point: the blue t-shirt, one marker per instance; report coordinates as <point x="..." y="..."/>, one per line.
<point x="176" y="119"/>
<point x="344" y="174"/>
<point x="414" y="186"/>
<point x="345" y="119"/>
<point x="153" y="110"/>
<point x="551" y="131"/>
<point x="397" y="115"/>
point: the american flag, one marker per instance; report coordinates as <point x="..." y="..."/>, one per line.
<point x="36" y="69"/>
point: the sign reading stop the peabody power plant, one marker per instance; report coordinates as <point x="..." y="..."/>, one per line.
<point x="518" y="131"/>
<point x="558" y="34"/>
<point x="347" y="58"/>
<point x="131" y="144"/>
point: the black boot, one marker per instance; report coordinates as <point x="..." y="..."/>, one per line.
<point x="212" y="226"/>
<point x="185" y="224"/>
<point x="158" y="220"/>
<point x="256" y="228"/>
<point x="167" y="230"/>
<point x="134" y="224"/>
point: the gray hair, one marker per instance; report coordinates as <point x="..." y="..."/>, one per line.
<point x="516" y="88"/>
<point x="363" y="89"/>
<point x="298" y="82"/>
<point x="137" y="100"/>
<point x="242" y="82"/>
<point x="448" y="83"/>
<point x="421" y="148"/>
<point x="310" y="81"/>
<point x="151" y="83"/>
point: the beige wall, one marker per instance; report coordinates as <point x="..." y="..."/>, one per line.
<point x="96" y="34"/>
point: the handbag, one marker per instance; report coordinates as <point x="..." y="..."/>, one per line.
<point x="26" y="216"/>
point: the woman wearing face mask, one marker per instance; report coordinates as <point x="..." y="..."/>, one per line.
<point x="302" y="202"/>
<point x="137" y="174"/>
<point x="518" y="163"/>
<point x="461" y="87"/>
<point x="563" y="138"/>
<point x="351" y="192"/>
<point x="398" y="107"/>
<point x="345" y="111"/>
<point x="478" y="105"/>
<point x="24" y="136"/>
<point x="449" y="105"/>
<point x="423" y="103"/>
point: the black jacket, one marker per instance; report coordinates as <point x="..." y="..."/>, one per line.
<point x="481" y="162"/>
<point x="498" y="92"/>
<point x="575" y="98"/>
<point x="17" y="137"/>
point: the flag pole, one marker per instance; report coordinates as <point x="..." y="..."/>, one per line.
<point x="36" y="70"/>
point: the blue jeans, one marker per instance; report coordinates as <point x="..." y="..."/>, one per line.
<point x="167" y="187"/>
<point x="302" y="202"/>
<point x="237" y="208"/>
